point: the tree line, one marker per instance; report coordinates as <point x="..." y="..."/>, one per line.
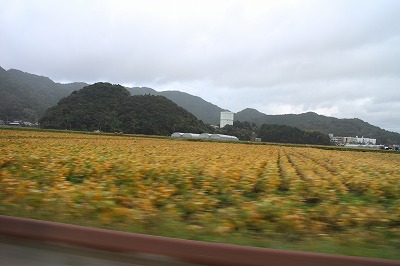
<point x="275" y="133"/>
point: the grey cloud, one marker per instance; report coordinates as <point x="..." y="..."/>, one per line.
<point x="278" y="56"/>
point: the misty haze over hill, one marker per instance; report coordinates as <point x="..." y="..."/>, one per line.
<point x="26" y="96"/>
<point x="203" y="110"/>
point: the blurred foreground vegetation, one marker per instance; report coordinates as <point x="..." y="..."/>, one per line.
<point x="300" y="198"/>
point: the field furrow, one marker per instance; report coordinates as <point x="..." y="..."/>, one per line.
<point x="202" y="190"/>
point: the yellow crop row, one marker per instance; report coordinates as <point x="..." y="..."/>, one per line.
<point x="209" y="187"/>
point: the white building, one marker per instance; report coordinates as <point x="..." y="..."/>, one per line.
<point x="226" y="119"/>
<point x="366" y="141"/>
<point x="352" y="140"/>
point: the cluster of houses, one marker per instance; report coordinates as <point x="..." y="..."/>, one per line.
<point x="18" y="123"/>
<point x="360" y="142"/>
<point x="204" y="136"/>
<point x="354" y="142"/>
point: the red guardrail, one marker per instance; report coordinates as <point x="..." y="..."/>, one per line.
<point x="185" y="250"/>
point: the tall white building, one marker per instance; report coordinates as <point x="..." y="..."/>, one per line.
<point x="226" y="119"/>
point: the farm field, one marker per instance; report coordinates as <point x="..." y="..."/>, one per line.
<point x="310" y="199"/>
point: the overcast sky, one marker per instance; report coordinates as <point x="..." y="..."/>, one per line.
<point x="333" y="57"/>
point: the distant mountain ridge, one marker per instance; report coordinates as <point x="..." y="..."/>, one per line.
<point x="27" y="96"/>
<point x="207" y="112"/>
<point x="313" y="121"/>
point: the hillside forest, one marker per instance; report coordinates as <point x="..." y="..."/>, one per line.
<point x="110" y="108"/>
<point x="26" y="97"/>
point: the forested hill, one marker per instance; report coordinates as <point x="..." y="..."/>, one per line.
<point x="207" y="112"/>
<point x="26" y="96"/>
<point x="110" y="108"/>
<point x="313" y="121"/>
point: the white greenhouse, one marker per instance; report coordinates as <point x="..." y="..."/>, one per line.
<point x="223" y="137"/>
<point x="176" y="135"/>
<point x="190" y="136"/>
<point x="205" y="135"/>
